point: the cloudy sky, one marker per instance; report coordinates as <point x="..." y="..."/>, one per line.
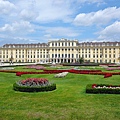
<point x="37" y="21"/>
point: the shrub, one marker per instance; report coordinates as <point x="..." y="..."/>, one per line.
<point x="34" y="85"/>
<point x="103" y="88"/>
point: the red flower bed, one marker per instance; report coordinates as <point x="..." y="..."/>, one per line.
<point x="107" y="75"/>
<point x="91" y="72"/>
<point x="31" y="81"/>
<point x="34" y="85"/>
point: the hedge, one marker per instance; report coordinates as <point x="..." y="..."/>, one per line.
<point x="103" y="89"/>
<point x="50" y="87"/>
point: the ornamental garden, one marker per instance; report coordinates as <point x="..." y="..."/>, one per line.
<point x="60" y="92"/>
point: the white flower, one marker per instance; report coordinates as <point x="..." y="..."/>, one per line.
<point x="63" y="74"/>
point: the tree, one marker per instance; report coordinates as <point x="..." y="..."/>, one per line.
<point x="81" y="60"/>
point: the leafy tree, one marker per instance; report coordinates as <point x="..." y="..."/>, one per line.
<point x="81" y="60"/>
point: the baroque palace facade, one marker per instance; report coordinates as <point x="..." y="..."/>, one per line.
<point x="62" y="51"/>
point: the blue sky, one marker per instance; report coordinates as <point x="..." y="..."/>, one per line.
<point x="38" y="21"/>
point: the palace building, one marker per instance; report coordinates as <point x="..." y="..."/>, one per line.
<point x="62" y="51"/>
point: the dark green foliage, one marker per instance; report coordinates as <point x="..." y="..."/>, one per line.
<point x="49" y="87"/>
<point x="81" y="60"/>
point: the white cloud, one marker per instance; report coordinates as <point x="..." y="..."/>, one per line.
<point x="6" y="7"/>
<point x="111" y="32"/>
<point x="22" y="26"/>
<point x="16" y="40"/>
<point x="42" y="11"/>
<point x="98" y="18"/>
<point x="52" y="10"/>
<point x="27" y="15"/>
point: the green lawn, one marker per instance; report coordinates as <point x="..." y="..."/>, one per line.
<point x="68" y="102"/>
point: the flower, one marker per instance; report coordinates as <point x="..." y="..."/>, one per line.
<point x="105" y="86"/>
<point x="94" y="85"/>
<point x="34" y="81"/>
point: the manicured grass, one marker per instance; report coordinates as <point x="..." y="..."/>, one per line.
<point x="68" y="102"/>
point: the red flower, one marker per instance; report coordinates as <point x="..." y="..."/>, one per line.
<point x="94" y="85"/>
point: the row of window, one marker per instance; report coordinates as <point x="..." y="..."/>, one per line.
<point x="62" y="55"/>
<point x="56" y="44"/>
<point x="83" y="55"/>
<point x="88" y="49"/>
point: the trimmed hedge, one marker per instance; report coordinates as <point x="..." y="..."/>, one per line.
<point x="49" y="87"/>
<point x="107" y="89"/>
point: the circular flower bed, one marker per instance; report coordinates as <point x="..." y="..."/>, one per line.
<point x="34" y="85"/>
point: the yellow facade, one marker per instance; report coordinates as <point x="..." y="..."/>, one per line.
<point x="61" y="51"/>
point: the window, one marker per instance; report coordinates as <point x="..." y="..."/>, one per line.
<point x="69" y="43"/>
<point x="72" y="43"/>
<point x="55" y="44"/>
<point x="65" y="44"/>
<point x="65" y="55"/>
